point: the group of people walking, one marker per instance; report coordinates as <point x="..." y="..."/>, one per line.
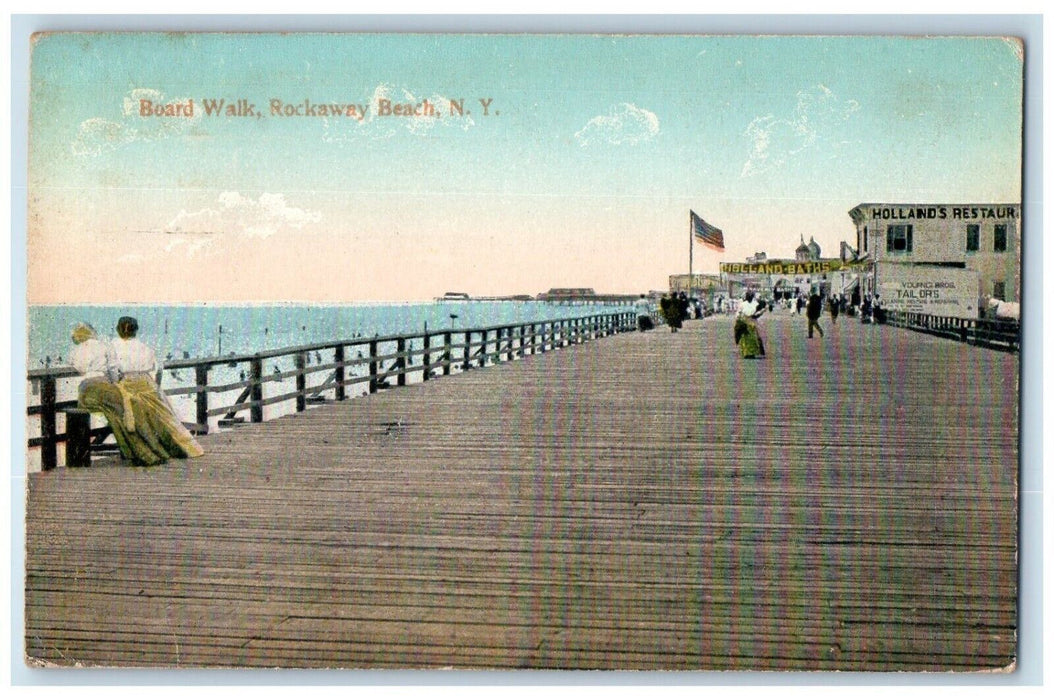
<point x="119" y="383"/>
<point x="746" y="332"/>
<point x="675" y="308"/>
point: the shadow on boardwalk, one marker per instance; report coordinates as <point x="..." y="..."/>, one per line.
<point x="647" y="501"/>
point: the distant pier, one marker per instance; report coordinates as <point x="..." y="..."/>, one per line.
<point x="566" y="296"/>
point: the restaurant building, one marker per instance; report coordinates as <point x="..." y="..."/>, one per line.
<point x="944" y="259"/>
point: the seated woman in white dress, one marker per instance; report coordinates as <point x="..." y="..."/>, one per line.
<point x="91" y="357"/>
<point x="94" y="359"/>
<point x="153" y="433"/>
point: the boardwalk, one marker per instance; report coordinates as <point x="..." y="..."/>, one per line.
<point x="646" y="501"/>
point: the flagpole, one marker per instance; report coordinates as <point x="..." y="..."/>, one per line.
<point x="691" y="248"/>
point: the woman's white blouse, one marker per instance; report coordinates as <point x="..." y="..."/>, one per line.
<point x="93" y="358"/>
<point x="133" y="356"/>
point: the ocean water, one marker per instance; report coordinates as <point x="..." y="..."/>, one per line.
<point x="207" y="330"/>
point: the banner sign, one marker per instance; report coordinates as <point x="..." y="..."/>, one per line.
<point x="794" y="267"/>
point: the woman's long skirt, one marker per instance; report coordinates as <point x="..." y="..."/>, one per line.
<point x="672" y="316"/>
<point x="748" y="339"/>
<point x="150" y="434"/>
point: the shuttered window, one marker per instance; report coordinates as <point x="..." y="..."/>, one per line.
<point x="898" y="238"/>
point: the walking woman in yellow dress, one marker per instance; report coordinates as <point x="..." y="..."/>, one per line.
<point x="745" y="330"/>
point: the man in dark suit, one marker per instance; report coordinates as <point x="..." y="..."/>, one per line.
<point x="812" y="311"/>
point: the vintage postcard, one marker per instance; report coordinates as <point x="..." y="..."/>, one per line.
<point x="429" y="351"/>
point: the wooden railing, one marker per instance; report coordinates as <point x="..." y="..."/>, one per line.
<point x="999" y="334"/>
<point x="374" y="363"/>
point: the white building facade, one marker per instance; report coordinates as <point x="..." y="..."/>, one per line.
<point x="969" y="241"/>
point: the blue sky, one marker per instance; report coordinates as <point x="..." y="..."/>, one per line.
<point x="582" y="175"/>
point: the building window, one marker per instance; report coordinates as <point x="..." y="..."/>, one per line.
<point x="865" y="239"/>
<point x="1000" y="238"/>
<point x="973" y="238"/>
<point x="999" y="290"/>
<point x="898" y="238"/>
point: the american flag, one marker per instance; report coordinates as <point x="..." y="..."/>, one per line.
<point x="706" y="234"/>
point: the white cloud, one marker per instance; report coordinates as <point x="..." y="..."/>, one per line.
<point x="625" y="124"/>
<point x="236" y="213"/>
<point x="775" y="140"/>
<point x="98" y="135"/>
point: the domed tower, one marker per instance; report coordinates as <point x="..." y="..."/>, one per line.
<point x="802" y="252"/>
<point x="814" y="249"/>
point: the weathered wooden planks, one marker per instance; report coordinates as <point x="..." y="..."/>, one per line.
<point x="643" y="501"/>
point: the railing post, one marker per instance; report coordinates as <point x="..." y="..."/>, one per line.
<point x="301" y="383"/>
<point x="48" y="454"/>
<point x="256" y="390"/>
<point x="483" y="347"/>
<point x="201" y="399"/>
<point x="447" y="359"/>
<point x="508" y="344"/>
<point x="338" y="373"/>
<point x="78" y="438"/>
<point x="400" y="349"/>
<point x="466" y="360"/>
<point x="520" y="350"/>
<point x="373" y="366"/>
<point x="426" y="359"/>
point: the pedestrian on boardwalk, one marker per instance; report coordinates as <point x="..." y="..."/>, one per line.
<point x="670" y="308"/>
<point x="878" y="314"/>
<point x="644" y="321"/>
<point x="745" y="330"/>
<point x="812" y="312"/>
<point x="865" y="310"/>
<point x="149" y="430"/>
<point x="683" y="306"/>
<point x="832" y="305"/>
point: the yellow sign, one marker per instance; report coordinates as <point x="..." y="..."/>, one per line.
<point x="793" y="267"/>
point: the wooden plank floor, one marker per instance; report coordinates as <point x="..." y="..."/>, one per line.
<point x="646" y="501"/>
